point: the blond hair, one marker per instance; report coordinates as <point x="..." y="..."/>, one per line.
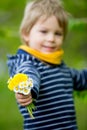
<point x="37" y="8"/>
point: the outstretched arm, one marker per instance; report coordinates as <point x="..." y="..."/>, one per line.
<point x="27" y="68"/>
<point x="22" y="63"/>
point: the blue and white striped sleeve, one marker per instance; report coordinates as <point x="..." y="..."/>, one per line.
<point x="31" y="71"/>
<point x="79" y="79"/>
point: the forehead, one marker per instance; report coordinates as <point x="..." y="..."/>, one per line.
<point x="45" y="19"/>
<point x="50" y="21"/>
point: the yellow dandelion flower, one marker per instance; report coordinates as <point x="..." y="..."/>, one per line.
<point x="16" y="80"/>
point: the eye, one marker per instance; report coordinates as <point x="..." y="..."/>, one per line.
<point x="58" y="33"/>
<point x="43" y="31"/>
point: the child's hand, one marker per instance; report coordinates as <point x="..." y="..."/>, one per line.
<point x="24" y="100"/>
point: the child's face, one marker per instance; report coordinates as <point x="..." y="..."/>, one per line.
<point x="46" y="35"/>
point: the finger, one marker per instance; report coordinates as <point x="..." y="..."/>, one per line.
<point x="26" y="103"/>
<point x="24" y="100"/>
<point x="18" y="95"/>
<point x="21" y="96"/>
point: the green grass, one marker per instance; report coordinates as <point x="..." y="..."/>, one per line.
<point x="81" y="113"/>
<point x="10" y="117"/>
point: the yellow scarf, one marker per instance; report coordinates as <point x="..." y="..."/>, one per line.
<point x="53" y="58"/>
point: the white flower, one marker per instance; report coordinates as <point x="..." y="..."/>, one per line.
<point x="16" y="89"/>
<point x="9" y="80"/>
<point x="23" y="84"/>
<point x="30" y="82"/>
<point x="26" y="90"/>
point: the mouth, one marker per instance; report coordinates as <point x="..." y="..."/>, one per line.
<point x="49" y="48"/>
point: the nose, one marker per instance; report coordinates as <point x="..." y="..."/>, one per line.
<point x="51" y="37"/>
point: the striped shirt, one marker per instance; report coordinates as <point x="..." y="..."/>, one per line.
<point x="53" y="91"/>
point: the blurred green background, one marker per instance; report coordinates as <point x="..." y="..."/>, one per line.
<point x="75" y="46"/>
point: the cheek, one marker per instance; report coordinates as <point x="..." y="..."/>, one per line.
<point x="60" y="41"/>
<point x="38" y="40"/>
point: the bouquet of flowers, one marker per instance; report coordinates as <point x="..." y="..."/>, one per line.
<point x="21" y="83"/>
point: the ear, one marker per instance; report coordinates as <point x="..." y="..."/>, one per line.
<point x="25" y="36"/>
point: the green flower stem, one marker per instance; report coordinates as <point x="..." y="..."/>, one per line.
<point x="30" y="108"/>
